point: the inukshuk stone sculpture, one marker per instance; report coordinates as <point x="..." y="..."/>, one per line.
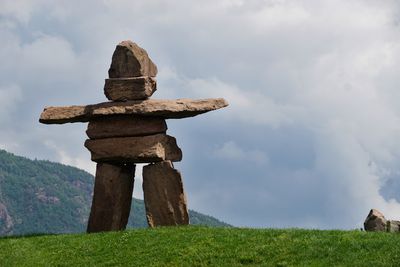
<point x="131" y="129"/>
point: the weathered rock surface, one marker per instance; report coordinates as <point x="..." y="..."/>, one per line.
<point x="122" y="89"/>
<point x="144" y="149"/>
<point x="375" y="221"/>
<point x="393" y="226"/>
<point x="42" y="196"/>
<point x="6" y="222"/>
<point x="168" y="109"/>
<point x="130" y="60"/>
<point x="164" y="197"/>
<point x="112" y="197"/>
<point x="125" y="126"/>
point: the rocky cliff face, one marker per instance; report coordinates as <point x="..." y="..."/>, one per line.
<point x="42" y="197"/>
<point x="6" y="222"/>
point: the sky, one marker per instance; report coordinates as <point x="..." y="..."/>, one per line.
<point x="311" y="137"/>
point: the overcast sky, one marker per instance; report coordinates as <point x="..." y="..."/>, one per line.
<point x="312" y="134"/>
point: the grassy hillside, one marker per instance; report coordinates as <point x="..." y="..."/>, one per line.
<point x="45" y="197"/>
<point x="200" y="246"/>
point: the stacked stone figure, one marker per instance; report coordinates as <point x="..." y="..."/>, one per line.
<point x="131" y="129"/>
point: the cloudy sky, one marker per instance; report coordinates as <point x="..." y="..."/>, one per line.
<point x="312" y="134"/>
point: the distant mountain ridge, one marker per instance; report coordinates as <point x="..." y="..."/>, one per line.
<point x="39" y="196"/>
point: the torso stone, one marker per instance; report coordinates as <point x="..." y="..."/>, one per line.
<point x="125" y="126"/>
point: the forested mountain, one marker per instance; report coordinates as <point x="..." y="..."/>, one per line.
<point x="39" y="196"/>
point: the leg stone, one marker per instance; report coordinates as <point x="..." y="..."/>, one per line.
<point x="164" y="197"/>
<point x="112" y="197"/>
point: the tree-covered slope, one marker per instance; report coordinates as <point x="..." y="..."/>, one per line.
<point x="39" y="196"/>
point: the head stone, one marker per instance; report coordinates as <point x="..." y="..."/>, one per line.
<point x="130" y="60"/>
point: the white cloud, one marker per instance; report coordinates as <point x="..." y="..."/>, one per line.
<point x="231" y="151"/>
<point x="80" y="161"/>
<point x="137" y="187"/>
<point x="278" y="14"/>
<point x="21" y="9"/>
<point x="9" y="96"/>
<point x="254" y="107"/>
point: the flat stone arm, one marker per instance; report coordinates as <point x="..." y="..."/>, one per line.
<point x="168" y="109"/>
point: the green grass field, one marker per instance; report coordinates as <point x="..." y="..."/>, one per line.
<point x="202" y="246"/>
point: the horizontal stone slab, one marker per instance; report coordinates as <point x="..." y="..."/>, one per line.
<point x="145" y="149"/>
<point x="168" y="109"/>
<point x="122" y="89"/>
<point x="125" y="126"/>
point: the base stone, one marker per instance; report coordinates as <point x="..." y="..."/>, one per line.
<point x="375" y="221"/>
<point x="112" y="197"/>
<point x="164" y="197"/>
<point x="393" y="226"/>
